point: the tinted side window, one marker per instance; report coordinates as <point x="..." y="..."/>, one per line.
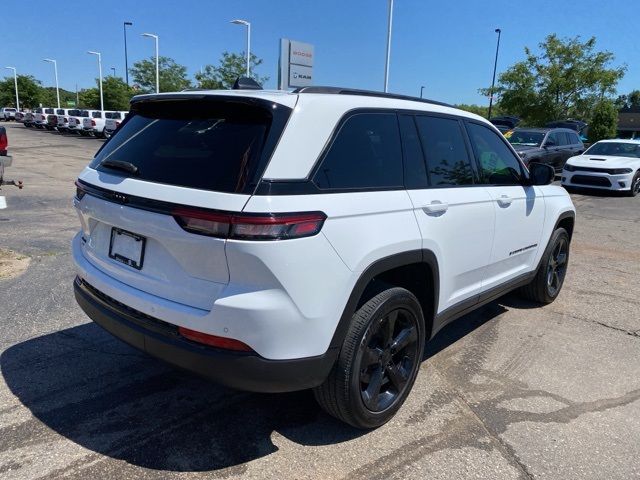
<point x="575" y="140"/>
<point x="498" y="164"/>
<point x="562" y="138"/>
<point x="445" y="151"/>
<point x="365" y="153"/>
<point x="415" y="171"/>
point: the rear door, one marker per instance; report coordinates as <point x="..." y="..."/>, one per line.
<point x="455" y="214"/>
<point x="519" y="209"/>
<point x="152" y="189"/>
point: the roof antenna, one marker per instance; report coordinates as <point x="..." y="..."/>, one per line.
<point x="246" y="83"/>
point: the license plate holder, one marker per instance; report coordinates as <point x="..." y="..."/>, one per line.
<point x="127" y="247"/>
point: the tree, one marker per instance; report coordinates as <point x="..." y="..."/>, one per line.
<point x="173" y="77"/>
<point x="48" y="97"/>
<point x="29" y="91"/>
<point x="231" y="66"/>
<point x="117" y="94"/>
<point x="478" y="109"/>
<point x="565" y="80"/>
<point x="631" y="100"/>
<point x="604" y="121"/>
<point x="89" y="98"/>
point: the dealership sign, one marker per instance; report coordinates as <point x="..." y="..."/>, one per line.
<point x="296" y="64"/>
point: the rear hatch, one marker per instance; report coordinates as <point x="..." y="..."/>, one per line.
<point x="172" y="159"/>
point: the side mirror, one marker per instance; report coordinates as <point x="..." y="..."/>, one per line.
<point x="541" y="174"/>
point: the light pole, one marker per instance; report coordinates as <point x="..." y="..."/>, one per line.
<point x="156" y="38"/>
<point x="100" y="73"/>
<point x="421" y="89"/>
<point x="55" y="70"/>
<point x="495" y="66"/>
<point x="126" y="60"/>
<point x="386" y="64"/>
<point x="248" y="25"/>
<point x="113" y="69"/>
<point x="15" y="81"/>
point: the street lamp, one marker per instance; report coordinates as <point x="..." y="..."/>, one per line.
<point x="421" y="89"/>
<point x="248" y="25"/>
<point x="55" y="69"/>
<point x="126" y="61"/>
<point x="15" y="81"/>
<point x="113" y="69"/>
<point x="386" y="64"/>
<point x="97" y="54"/>
<point x="156" y="38"/>
<point x="495" y="65"/>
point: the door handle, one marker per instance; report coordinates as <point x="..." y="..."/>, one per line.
<point x="504" y="200"/>
<point x="436" y="208"/>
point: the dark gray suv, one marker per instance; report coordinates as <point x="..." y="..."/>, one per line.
<point x="552" y="146"/>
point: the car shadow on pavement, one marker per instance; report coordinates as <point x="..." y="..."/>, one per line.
<point x="111" y="399"/>
<point x="107" y="397"/>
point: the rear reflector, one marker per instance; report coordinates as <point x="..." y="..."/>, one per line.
<point x="275" y="226"/>
<point x="214" y="341"/>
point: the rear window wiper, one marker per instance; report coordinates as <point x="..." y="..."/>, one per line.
<point x="120" y="165"/>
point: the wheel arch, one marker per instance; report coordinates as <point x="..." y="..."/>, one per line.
<point x="400" y="270"/>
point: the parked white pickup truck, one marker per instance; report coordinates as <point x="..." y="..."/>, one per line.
<point x="113" y="122"/>
<point x="76" y="118"/>
<point x="40" y="116"/>
<point x="60" y="119"/>
<point x="94" y="125"/>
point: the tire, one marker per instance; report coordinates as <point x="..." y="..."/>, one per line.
<point x="635" y="185"/>
<point x="369" y="382"/>
<point x="546" y="285"/>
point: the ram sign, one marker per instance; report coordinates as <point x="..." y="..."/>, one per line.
<point x="296" y="64"/>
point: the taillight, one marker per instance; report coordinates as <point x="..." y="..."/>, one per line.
<point x="93" y="123"/>
<point x="4" y="142"/>
<point x="80" y="192"/>
<point x="66" y="120"/>
<point x="214" y="341"/>
<point x="117" y="124"/>
<point x="275" y="226"/>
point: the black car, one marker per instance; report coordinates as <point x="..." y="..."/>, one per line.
<point x="505" y="122"/>
<point x="552" y="146"/>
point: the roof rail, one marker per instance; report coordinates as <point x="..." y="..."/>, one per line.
<point x="367" y="93"/>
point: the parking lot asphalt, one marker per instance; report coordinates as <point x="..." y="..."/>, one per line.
<point x="509" y="391"/>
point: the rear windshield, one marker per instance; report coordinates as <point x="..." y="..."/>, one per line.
<point x="74" y="112"/>
<point x="60" y="111"/>
<point x="83" y="113"/>
<point x="96" y="114"/>
<point x="9" y="109"/>
<point x="212" y="145"/>
<point x="48" y="110"/>
<point x="38" y="110"/>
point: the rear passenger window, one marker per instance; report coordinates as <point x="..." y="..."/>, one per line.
<point x="498" y="164"/>
<point x="366" y="153"/>
<point x="445" y="151"/>
<point x="415" y="171"/>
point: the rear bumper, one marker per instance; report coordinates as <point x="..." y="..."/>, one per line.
<point x="236" y="370"/>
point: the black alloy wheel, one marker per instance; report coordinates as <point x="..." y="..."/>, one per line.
<point x="388" y="360"/>
<point x="557" y="266"/>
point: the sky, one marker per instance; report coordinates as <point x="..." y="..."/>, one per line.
<point x="446" y="46"/>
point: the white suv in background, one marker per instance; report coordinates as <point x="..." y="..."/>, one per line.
<point x="277" y="241"/>
<point x="76" y="118"/>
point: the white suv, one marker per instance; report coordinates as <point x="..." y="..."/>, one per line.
<point x="277" y="241"/>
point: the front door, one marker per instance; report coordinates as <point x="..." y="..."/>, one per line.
<point x="519" y="208"/>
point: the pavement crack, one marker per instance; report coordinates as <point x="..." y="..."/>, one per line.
<point x="633" y="333"/>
